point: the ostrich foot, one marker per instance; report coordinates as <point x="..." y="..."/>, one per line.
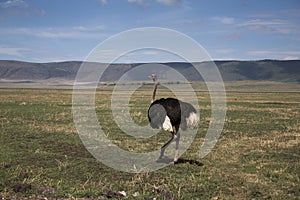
<point x="176" y="156"/>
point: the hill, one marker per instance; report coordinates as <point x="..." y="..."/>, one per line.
<point x="263" y="70"/>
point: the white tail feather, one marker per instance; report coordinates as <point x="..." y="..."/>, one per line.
<point x="167" y="126"/>
<point x="192" y="121"/>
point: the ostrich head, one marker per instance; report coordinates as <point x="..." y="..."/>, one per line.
<point x="153" y="77"/>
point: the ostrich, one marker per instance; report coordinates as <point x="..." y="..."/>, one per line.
<point x="171" y="114"/>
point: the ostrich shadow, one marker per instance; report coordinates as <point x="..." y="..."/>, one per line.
<point x="167" y="160"/>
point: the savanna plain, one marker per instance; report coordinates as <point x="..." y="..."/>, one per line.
<point x="256" y="157"/>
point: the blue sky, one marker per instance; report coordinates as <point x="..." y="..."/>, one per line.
<point x="49" y="30"/>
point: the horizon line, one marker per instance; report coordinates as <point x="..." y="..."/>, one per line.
<point x="149" y="62"/>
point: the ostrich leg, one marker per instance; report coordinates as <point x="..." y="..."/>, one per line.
<point x="176" y="156"/>
<point x="163" y="148"/>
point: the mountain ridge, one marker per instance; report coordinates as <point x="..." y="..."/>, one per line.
<point x="231" y="70"/>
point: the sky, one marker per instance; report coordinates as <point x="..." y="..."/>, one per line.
<point x="52" y="30"/>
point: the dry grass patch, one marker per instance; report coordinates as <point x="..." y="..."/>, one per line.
<point x="256" y="157"/>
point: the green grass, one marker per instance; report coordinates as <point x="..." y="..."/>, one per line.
<point x="256" y="157"/>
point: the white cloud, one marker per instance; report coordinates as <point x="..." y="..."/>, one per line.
<point x="291" y="58"/>
<point x="272" y="25"/>
<point x="293" y="12"/>
<point x="104" y="55"/>
<point x="12" y="51"/>
<point x="82" y="32"/>
<point x="259" y="22"/>
<point x="13" y="3"/>
<point x="103" y="2"/>
<point x="261" y="25"/>
<point x="168" y="2"/>
<point x="285" y="55"/>
<point x="89" y="28"/>
<point x="136" y="1"/>
<point x="225" y="20"/>
<point x="225" y="51"/>
<point x="151" y="52"/>
<point x="141" y="2"/>
<point x="20" y="8"/>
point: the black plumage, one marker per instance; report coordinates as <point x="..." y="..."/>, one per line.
<point x="177" y="111"/>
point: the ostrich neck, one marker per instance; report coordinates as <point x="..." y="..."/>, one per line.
<point x="154" y="91"/>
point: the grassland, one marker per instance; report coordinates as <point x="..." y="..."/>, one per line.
<point x="256" y="157"/>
